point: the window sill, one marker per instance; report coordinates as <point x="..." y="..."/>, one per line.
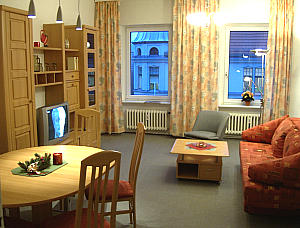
<point x="147" y="102"/>
<point x="254" y="106"/>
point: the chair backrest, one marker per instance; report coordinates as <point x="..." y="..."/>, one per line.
<point x="136" y="155"/>
<point x="100" y="163"/>
<point x="87" y="130"/>
<point x="213" y="121"/>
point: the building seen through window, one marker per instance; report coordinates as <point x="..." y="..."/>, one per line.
<point x="149" y="63"/>
<point x="244" y="63"/>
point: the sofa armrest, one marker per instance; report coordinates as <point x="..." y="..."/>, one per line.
<point x="262" y="133"/>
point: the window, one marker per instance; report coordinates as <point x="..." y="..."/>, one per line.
<point x="140" y="74"/>
<point x="148" y="63"/>
<point x="242" y="61"/>
<point x="153" y="51"/>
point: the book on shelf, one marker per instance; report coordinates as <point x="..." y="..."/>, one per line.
<point x="72" y="63"/>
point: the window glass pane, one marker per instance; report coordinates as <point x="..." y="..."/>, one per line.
<point x="149" y="63"/>
<point x="92" y="100"/>
<point x="244" y="63"/>
<point x="91" y="60"/>
<point x="90" y="40"/>
<point x="91" y="79"/>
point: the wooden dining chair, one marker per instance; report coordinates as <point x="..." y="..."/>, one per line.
<point x="87" y="130"/>
<point x="90" y="217"/>
<point x="127" y="189"/>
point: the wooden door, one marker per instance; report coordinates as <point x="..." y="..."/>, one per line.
<point x="20" y="82"/>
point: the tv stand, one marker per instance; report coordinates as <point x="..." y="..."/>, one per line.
<point x="69" y="140"/>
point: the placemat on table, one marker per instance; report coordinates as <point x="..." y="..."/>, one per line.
<point x="196" y="147"/>
<point x="22" y="172"/>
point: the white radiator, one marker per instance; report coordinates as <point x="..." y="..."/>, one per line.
<point x="239" y="122"/>
<point x="155" y="120"/>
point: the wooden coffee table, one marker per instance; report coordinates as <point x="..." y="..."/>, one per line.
<point x="199" y="164"/>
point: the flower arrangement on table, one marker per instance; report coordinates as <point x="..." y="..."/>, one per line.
<point x="37" y="164"/>
<point x="247" y="97"/>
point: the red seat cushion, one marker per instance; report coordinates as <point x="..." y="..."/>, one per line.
<point x="124" y="190"/>
<point x="292" y="143"/>
<point x="284" y="171"/>
<point x="67" y="220"/>
<point x="264" y="132"/>
<point x="279" y="137"/>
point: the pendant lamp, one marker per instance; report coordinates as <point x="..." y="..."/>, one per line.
<point x="31" y="10"/>
<point x="78" y="23"/>
<point x="59" y="15"/>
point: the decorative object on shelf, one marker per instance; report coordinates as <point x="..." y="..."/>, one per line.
<point x="57" y="159"/>
<point x="47" y="67"/>
<point x="247" y="97"/>
<point x="31" y="10"/>
<point x="78" y="23"/>
<point x="201" y="146"/>
<point x="44" y="38"/>
<point x="67" y="44"/>
<point x="53" y="67"/>
<point x="72" y="63"/>
<point x="59" y="14"/>
<point x="36" y="44"/>
<point x="36" y="63"/>
<point x="37" y="164"/>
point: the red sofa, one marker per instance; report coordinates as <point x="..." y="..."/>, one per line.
<point x="270" y="167"/>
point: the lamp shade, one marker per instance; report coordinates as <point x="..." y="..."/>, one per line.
<point x="59" y="15"/>
<point x="78" y="24"/>
<point x="31" y="10"/>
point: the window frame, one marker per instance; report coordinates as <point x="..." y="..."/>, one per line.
<point x="236" y="27"/>
<point x="127" y="89"/>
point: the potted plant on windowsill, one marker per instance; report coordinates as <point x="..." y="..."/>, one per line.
<point x="247" y="97"/>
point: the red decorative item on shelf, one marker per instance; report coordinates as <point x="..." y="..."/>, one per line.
<point x="57" y="159"/>
<point x="44" y="38"/>
<point x="36" y="43"/>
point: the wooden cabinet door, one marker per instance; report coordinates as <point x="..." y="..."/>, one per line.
<point x="72" y="90"/>
<point x="20" y="82"/>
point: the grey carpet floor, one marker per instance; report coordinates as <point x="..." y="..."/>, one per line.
<point x="166" y="202"/>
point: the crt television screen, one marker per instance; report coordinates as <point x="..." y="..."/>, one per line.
<point x="57" y="122"/>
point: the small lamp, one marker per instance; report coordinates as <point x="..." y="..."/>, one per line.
<point x="59" y="15"/>
<point x="31" y="10"/>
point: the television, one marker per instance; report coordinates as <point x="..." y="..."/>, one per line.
<point x="53" y="123"/>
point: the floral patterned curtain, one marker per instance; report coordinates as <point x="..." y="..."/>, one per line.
<point x="278" y="60"/>
<point x="107" y="17"/>
<point x="194" y="65"/>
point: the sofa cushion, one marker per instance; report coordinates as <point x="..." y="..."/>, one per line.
<point x="252" y="153"/>
<point x="279" y="137"/>
<point x="283" y="171"/>
<point x="264" y="132"/>
<point x="292" y="143"/>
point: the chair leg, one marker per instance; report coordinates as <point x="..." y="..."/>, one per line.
<point x="130" y="214"/>
<point x="133" y="212"/>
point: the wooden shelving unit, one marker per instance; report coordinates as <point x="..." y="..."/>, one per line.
<point x="86" y="42"/>
<point x="47" y="48"/>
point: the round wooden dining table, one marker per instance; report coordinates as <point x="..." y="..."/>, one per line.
<point x="40" y="192"/>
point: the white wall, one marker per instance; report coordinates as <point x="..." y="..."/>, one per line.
<point x="46" y="12"/>
<point x="295" y="76"/>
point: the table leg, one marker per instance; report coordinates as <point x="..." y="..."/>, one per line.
<point x="41" y="212"/>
